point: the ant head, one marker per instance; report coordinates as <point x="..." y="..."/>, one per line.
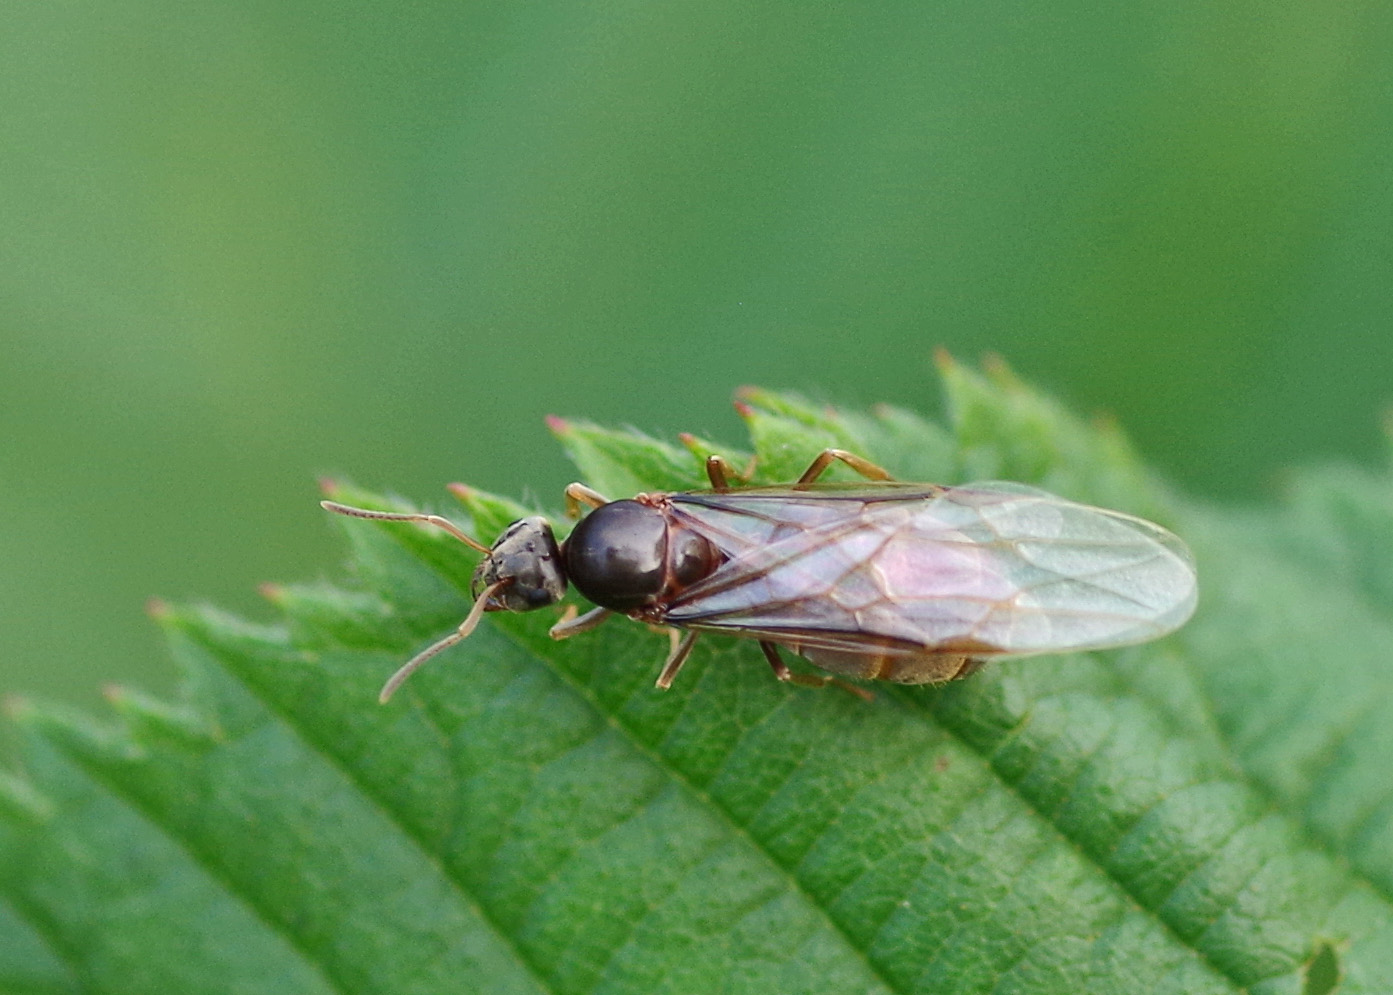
<point x="523" y="569"/>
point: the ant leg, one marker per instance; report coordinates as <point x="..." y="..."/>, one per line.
<point x="570" y="625"/>
<point x="578" y="494"/>
<point x="673" y="634"/>
<point x="970" y="666"/>
<point x="824" y="459"/>
<point x="719" y="472"/>
<point x="674" y="662"/>
<point x="781" y="671"/>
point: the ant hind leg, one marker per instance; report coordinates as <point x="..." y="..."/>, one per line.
<point x="781" y="671"/>
<point x="824" y="459"/>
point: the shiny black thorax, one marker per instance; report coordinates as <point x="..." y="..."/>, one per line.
<point x="631" y="555"/>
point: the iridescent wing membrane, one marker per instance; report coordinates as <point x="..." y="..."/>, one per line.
<point x="989" y="569"/>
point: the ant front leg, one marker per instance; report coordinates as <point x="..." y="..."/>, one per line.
<point x="570" y="625"/>
<point x="824" y="459"/>
<point x="578" y="494"/>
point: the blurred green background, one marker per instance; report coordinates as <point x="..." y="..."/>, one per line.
<point x="247" y="244"/>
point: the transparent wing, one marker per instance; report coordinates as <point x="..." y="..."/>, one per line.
<point x="986" y="569"/>
<point x="751" y="517"/>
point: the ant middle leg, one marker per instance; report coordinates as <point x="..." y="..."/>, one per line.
<point x="675" y="660"/>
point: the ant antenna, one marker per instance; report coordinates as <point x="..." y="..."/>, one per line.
<point x="465" y="628"/>
<point x="475" y="613"/>
<point x="395" y="516"/>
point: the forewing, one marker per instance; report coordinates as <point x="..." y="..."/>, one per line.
<point x="739" y="521"/>
<point x="987" y="569"/>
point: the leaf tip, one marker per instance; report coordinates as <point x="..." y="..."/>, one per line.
<point x="167" y="616"/>
<point x="330" y="486"/>
<point x="749" y="397"/>
<point x="1000" y="373"/>
<point x="462" y="491"/>
<point x="694" y="445"/>
<point x="272" y="592"/>
<point x="944" y="360"/>
<point x="558" y="426"/>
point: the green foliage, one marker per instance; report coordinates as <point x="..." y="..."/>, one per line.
<point x="1211" y="813"/>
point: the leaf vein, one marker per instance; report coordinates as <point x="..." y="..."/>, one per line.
<point x="211" y="867"/>
<point x="1079" y="848"/>
<point x="326" y="753"/>
<point x="52" y="937"/>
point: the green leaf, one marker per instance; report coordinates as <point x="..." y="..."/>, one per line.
<point x="1209" y="813"/>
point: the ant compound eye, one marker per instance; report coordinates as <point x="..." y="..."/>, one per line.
<point x="527" y="558"/>
<point x="616" y="555"/>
